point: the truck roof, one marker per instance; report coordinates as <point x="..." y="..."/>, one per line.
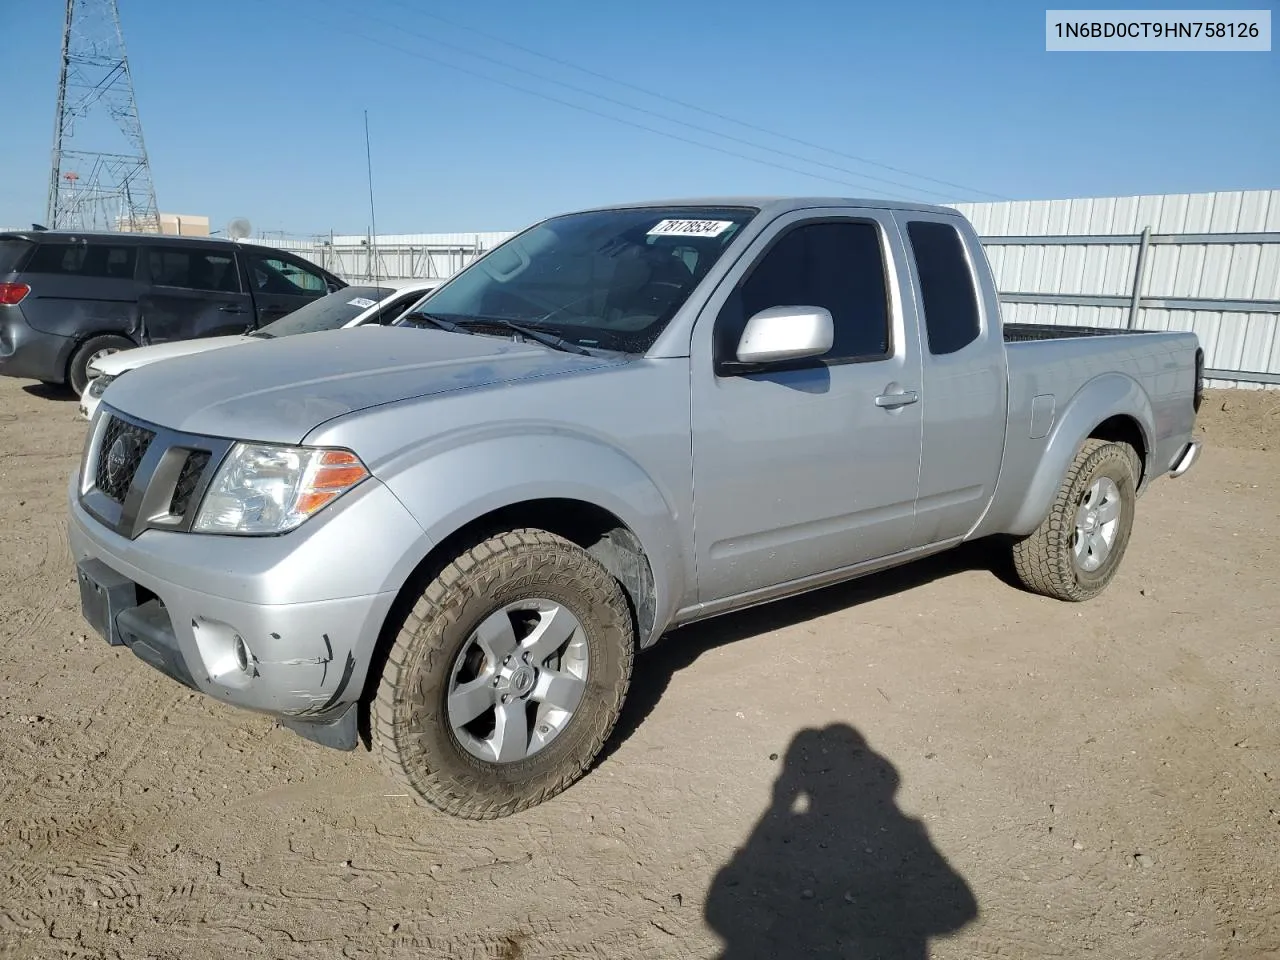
<point x="783" y="204"/>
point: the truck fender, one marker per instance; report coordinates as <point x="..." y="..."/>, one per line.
<point x="449" y="488"/>
<point x="1098" y="400"/>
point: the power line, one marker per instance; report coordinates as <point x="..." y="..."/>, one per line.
<point x="347" y="30"/>
<point x="661" y="116"/>
<point x="693" y="106"/>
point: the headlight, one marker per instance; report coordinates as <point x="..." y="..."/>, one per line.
<point x="263" y="489"/>
<point x="98" y="384"/>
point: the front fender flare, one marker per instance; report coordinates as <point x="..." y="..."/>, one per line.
<point x="449" y="488"/>
<point x="1100" y="399"/>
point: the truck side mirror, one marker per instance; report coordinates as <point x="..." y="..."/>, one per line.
<point x="778" y="334"/>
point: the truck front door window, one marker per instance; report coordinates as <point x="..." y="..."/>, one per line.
<point x="837" y="265"/>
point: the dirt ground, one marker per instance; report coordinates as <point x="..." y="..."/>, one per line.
<point x="925" y="763"/>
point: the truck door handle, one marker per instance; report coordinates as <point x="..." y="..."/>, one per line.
<point x="232" y="308"/>
<point x="891" y="400"/>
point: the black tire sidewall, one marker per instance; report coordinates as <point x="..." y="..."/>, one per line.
<point x="430" y="751"/>
<point x="78" y="368"/>
<point x="1114" y="462"/>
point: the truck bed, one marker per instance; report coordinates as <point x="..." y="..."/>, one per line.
<point x="1156" y="372"/>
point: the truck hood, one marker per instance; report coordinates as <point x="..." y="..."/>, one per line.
<point x="114" y="364"/>
<point x="281" y="390"/>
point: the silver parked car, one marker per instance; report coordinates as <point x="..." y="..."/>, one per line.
<point x="618" y="421"/>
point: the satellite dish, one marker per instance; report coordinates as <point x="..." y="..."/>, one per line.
<point x="238" y="228"/>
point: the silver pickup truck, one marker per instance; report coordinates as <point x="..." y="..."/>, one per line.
<point x="459" y="530"/>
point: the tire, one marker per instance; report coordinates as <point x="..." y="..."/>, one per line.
<point x="86" y="353"/>
<point x="421" y="736"/>
<point x="1048" y="562"/>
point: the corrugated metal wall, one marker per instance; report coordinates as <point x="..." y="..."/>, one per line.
<point x="1087" y="249"/>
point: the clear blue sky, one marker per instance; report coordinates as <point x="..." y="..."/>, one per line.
<point x="254" y="107"/>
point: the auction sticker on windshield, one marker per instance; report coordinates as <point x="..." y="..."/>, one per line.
<point x="690" y="228"/>
<point x="362" y="302"/>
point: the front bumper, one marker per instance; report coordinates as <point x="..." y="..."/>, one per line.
<point x="251" y="621"/>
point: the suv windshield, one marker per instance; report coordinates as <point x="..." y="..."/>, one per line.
<point x="326" y="313"/>
<point x="609" y="278"/>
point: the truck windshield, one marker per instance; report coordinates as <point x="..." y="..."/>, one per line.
<point x="608" y="278"/>
<point x="327" y="313"/>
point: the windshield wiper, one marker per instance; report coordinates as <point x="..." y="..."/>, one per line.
<point x="447" y="325"/>
<point x="541" y="336"/>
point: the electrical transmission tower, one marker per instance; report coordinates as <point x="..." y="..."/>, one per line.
<point x="101" y="177"/>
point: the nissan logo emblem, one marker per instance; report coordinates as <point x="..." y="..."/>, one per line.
<point x="119" y="456"/>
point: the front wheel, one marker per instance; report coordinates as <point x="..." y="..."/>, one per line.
<point x="1075" y="552"/>
<point x="506" y="677"/>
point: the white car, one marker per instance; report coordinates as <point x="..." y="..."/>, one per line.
<point x="354" y="306"/>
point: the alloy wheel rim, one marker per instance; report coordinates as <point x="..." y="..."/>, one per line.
<point x="1097" y="526"/>
<point x="518" y="680"/>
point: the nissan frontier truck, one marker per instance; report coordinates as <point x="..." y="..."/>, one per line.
<point x="457" y="531"/>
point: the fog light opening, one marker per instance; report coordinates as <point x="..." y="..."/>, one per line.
<point x="242" y="653"/>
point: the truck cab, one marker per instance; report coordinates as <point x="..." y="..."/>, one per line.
<point x="888" y="440"/>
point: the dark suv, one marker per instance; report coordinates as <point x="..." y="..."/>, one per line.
<point x="67" y="297"/>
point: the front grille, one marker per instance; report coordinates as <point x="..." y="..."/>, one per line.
<point x="123" y="446"/>
<point x="188" y="480"/>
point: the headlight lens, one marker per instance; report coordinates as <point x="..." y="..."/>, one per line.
<point x="98" y="384"/>
<point x="264" y="489"/>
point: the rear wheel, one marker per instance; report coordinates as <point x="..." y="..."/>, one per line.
<point x="89" y="351"/>
<point x="506" y="677"/>
<point x="1075" y="552"/>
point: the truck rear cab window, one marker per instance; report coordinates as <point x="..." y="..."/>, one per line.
<point x="946" y="286"/>
<point x="838" y="265"/>
<point x="194" y="269"/>
<point x="98" y="260"/>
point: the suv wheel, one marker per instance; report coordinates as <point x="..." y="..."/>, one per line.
<point x="89" y="351"/>
<point x="506" y="678"/>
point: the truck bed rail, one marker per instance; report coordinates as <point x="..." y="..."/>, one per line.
<point x="1022" y="332"/>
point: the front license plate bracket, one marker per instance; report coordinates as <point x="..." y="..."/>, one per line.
<point x="104" y="594"/>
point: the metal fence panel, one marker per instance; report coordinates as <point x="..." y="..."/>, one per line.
<point x="1209" y="263"/>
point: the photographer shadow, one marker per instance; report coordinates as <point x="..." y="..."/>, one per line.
<point x="834" y="868"/>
